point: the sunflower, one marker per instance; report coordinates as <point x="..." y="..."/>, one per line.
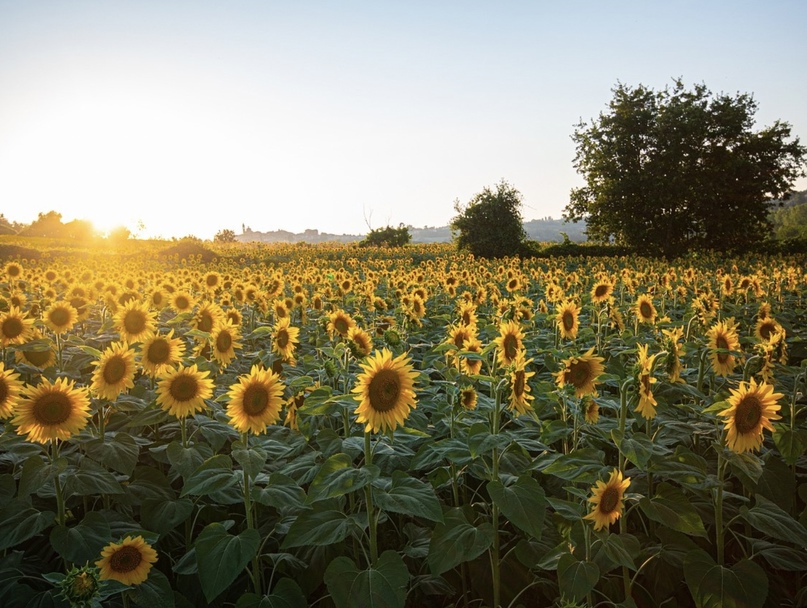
<point x="182" y="391"/>
<point x="359" y="342"/>
<point x="567" y="320"/>
<point x="591" y="409"/>
<point x="751" y="408"/>
<point x="458" y="335"/>
<point x="509" y="343"/>
<point x="519" y="388"/>
<point x="182" y="301"/>
<point x="135" y="322"/>
<point x="467" y="313"/>
<point x="601" y="291"/>
<point x="50" y="411"/>
<point x="208" y="317"/>
<point x="607" y="500"/>
<point x="13" y="270"/>
<point x="160" y="352"/>
<point x="224" y="342"/>
<point x="128" y="561"/>
<point x="385" y="391"/>
<point x="766" y="327"/>
<point x="675" y="351"/>
<point x="15" y="328"/>
<point x="581" y="372"/>
<point x="114" y="372"/>
<point x="645" y="311"/>
<point x="468" y="397"/>
<point x="10" y="387"/>
<point x="285" y="340"/>
<point x="340" y="322"/>
<point x="723" y="337"/>
<point x="471" y="367"/>
<point x="647" y="402"/>
<point x="255" y="401"/>
<point x="60" y="317"/>
<point x="293" y="403"/>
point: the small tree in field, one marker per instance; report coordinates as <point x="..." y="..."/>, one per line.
<point x="387" y="237"/>
<point x="225" y="236"/>
<point x="490" y="224"/>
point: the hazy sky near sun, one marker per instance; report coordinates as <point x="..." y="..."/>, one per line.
<point x="194" y="116"/>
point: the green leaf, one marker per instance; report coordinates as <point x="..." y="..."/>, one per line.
<point x="456" y="541"/>
<point x="582" y="466"/>
<point x="186" y="460"/>
<point x="119" y="452"/>
<point x="576" y="578"/>
<point x="779" y="557"/>
<point x="89" y="479"/>
<point x="82" y="543"/>
<point x="381" y="586"/>
<point x="8" y="488"/>
<point x="744" y="585"/>
<point x="221" y="557"/>
<point x="286" y="594"/>
<point x="19" y="522"/>
<point x="523" y="503"/>
<point x="482" y="442"/>
<point x="409" y="496"/>
<point x="746" y="466"/>
<point x="790" y="443"/>
<point x="337" y="477"/>
<point x="282" y="493"/>
<point x="215" y="474"/>
<point x="251" y="460"/>
<point x="638" y="448"/>
<point x="164" y="514"/>
<point x="318" y="528"/>
<point x="37" y="473"/>
<point x="767" y="517"/>
<point x="154" y="592"/>
<point x="674" y="509"/>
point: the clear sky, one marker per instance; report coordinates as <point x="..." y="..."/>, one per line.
<point x="193" y="116"/>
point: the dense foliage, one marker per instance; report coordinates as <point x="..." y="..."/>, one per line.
<point x="337" y="426"/>
<point x="490" y="225"/>
<point x="674" y="170"/>
<point x="387" y="237"/>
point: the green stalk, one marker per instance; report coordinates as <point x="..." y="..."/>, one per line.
<point x="256" y="569"/>
<point x="495" y="559"/>
<point x="183" y="426"/>
<point x="368" y="492"/>
<point x="719" y="531"/>
<point x="60" y="510"/>
<point x="102" y="421"/>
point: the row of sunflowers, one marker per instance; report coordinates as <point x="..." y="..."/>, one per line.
<point x="290" y="426"/>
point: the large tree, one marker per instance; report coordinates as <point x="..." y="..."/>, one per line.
<point x="490" y="224"/>
<point x="668" y="171"/>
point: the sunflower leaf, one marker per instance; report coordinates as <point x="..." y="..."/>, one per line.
<point x="380" y="586"/>
<point x="671" y="507"/>
<point x="82" y="543"/>
<point x="337" y="477"/>
<point x="523" y="503"/>
<point x="221" y="557"/>
<point x="744" y="585"/>
<point x="771" y="520"/>
<point x="456" y="541"/>
<point x="409" y="496"/>
<point x="318" y="528"/>
<point x="576" y="578"/>
<point x="216" y="473"/>
<point x="19" y="522"/>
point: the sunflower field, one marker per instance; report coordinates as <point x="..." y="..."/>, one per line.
<point x="333" y="426"/>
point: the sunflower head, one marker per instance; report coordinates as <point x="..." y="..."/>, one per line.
<point x="10" y="387"/>
<point x="114" y="372"/>
<point x="359" y="342"/>
<point x="519" y="387"/>
<point x="385" y="391"/>
<point x="80" y="586"/>
<point x="582" y="373"/>
<point x="255" y="401"/>
<point x="645" y="311"/>
<point x="601" y="291"/>
<point x="751" y="408"/>
<point x="723" y="341"/>
<point x="340" y="322"/>
<point x="15" y="327"/>
<point x="285" y="340"/>
<point x="135" y="322"/>
<point x="468" y="397"/>
<point x="224" y="342"/>
<point x="607" y="500"/>
<point x="128" y="561"/>
<point x="509" y="343"/>
<point x="51" y="411"/>
<point x="182" y="391"/>
<point x="567" y="320"/>
<point x="159" y="352"/>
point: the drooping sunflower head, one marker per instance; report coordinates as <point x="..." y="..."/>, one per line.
<point x="519" y="387"/>
<point x="10" y="387"/>
<point x="340" y="322"/>
<point x="567" y="320"/>
<point x="645" y="380"/>
<point x="207" y="317"/>
<point x="286" y="338"/>
<point x="255" y="401"/>
<point x="182" y="391"/>
<point x="645" y="311"/>
<point x="675" y="350"/>
<point x="766" y="327"/>
<point x="51" y="411"/>
<point x="582" y="373"/>
<point x="509" y="342"/>
<point x="751" y="408"/>
<point x="607" y="500"/>
<point x="15" y="327"/>
<point x="468" y="397"/>
<point x="591" y="409"/>
<point x="723" y="342"/>
<point x="135" y="322"/>
<point x="128" y="561"/>
<point x="114" y="372"/>
<point x="385" y="391"/>
<point x="359" y="342"/>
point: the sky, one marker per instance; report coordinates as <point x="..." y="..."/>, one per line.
<point x="176" y="118"/>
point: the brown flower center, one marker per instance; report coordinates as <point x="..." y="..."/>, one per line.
<point x="384" y="390"/>
<point x="52" y="408"/>
<point x="182" y="303"/>
<point x="158" y="352"/>
<point x="766" y="329"/>
<point x="224" y="341"/>
<point x="282" y="338"/>
<point x="600" y="291"/>
<point x="609" y="501"/>
<point x="134" y="322"/>
<point x="205" y="322"/>
<point x="114" y="370"/>
<point x="256" y="399"/>
<point x="510" y="346"/>
<point x="722" y="343"/>
<point x="126" y="559"/>
<point x="184" y="387"/>
<point x="646" y="310"/>
<point x="340" y="325"/>
<point x="12" y="327"/>
<point x="37" y="358"/>
<point x="3" y="390"/>
<point x="578" y="374"/>
<point x="567" y="320"/>
<point x="748" y="414"/>
<point x="59" y="316"/>
<point x="519" y="383"/>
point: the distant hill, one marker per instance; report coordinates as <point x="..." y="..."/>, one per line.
<point x="544" y="230"/>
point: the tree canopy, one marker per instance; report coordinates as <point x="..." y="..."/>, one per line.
<point x="387" y="237"/>
<point x="490" y="224"/>
<point x="672" y="170"/>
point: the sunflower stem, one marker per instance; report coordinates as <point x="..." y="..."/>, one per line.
<point x="102" y="421"/>
<point x="368" y="492"/>
<point x="256" y="569"/>
<point x="702" y="369"/>
<point x="719" y="531"/>
<point x="495" y="559"/>
<point x="183" y="426"/>
<point x="60" y="510"/>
